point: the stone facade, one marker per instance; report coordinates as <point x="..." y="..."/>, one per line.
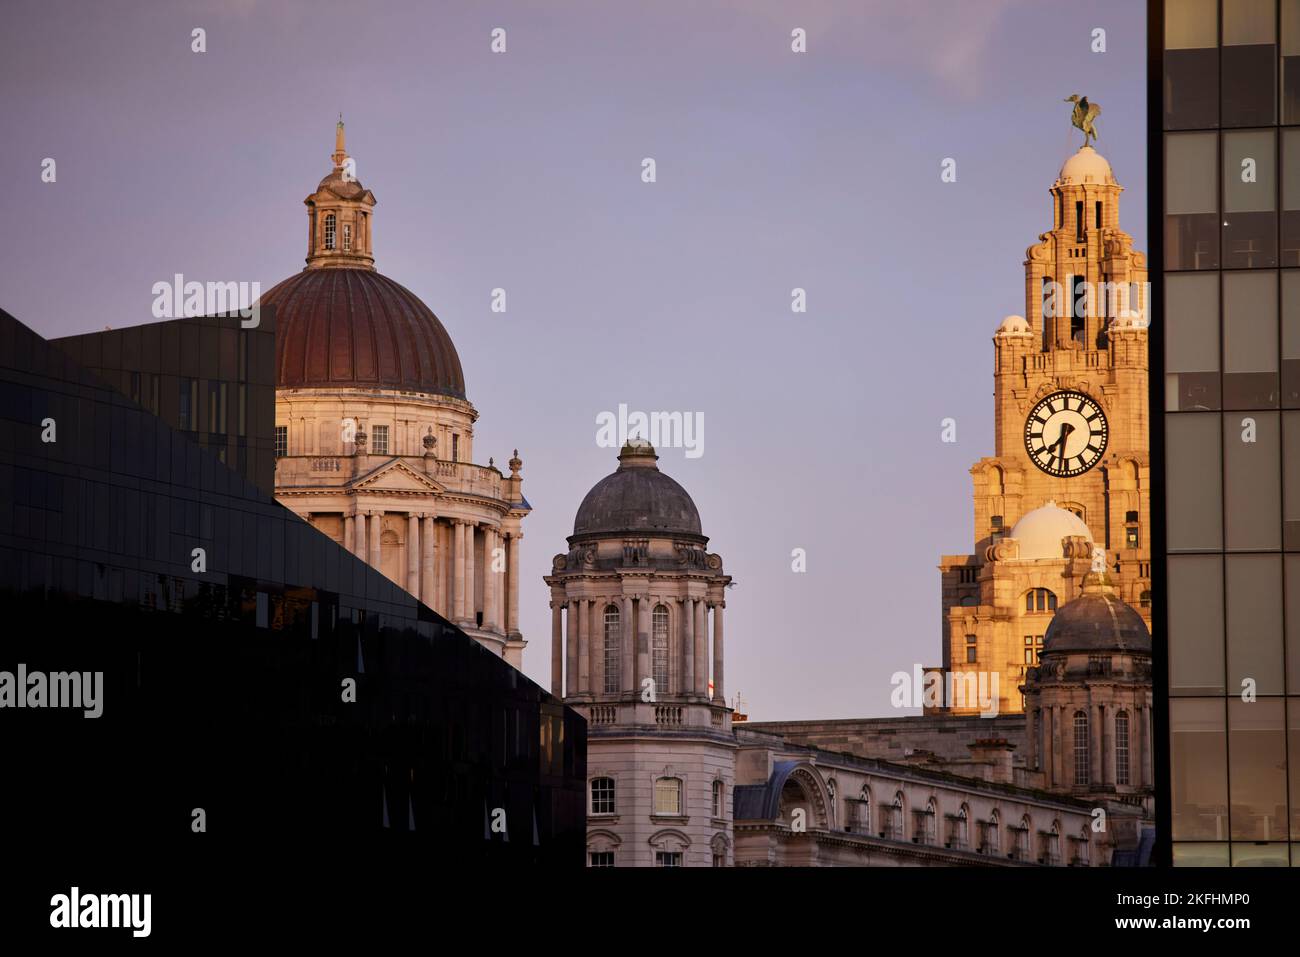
<point x="1083" y="353"/>
<point x="380" y="456"/>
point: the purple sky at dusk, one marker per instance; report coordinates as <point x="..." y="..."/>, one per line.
<point x="522" y="171"/>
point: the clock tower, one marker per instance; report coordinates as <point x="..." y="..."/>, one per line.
<point x="1067" y="487"/>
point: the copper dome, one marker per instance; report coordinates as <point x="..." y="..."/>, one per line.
<point x="1097" y="621"/>
<point x="356" y="327"/>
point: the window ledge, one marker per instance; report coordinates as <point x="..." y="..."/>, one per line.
<point x="670" y="818"/>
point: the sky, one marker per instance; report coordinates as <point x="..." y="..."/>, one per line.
<point x="522" y="170"/>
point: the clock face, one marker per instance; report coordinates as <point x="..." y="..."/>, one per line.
<point x="1065" y="434"/>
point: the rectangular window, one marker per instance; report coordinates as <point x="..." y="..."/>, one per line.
<point x="1254" y="619"/>
<point x="601" y="858"/>
<point x="1290" y="61"/>
<point x="1191" y="201"/>
<point x="216" y="407"/>
<point x="379" y="440"/>
<point x="1081" y="760"/>
<point x="1132" y="537"/>
<point x="1195" y="609"/>
<point x="455" y="447"/>
<point x="1249" y="63"/>
<point x="1193" y="492"/>
<point x="1099" y="215"/>
<point x="1249" y="200"/>
<point x="1252" y="497"/>
<point x="1079" y="234"/>
<point x="668" y="859"/>
<point x="1198" y="759"/>
<point x="281" y="441"/>
<point x="1191" y="64"/>
<point x="659" y="648"/>
<point x="602" y="796"/>
<point x="187" y="415"/>
<point x="1257" y="777"/>
<point x="1192" y="343"/>
<point x="1290" y="385"/>
<point x="1121" y="749"/>
<point x="613" y="637"/>
<point x="668" y="797"/>
<point x="347" y="236"/>
<point x="972" y="650"/>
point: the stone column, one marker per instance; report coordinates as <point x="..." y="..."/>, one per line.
<point x="376" y="524"/>
<point x="627" y="660"/>
<point x="717" y="652"/>
<point x="413" y="553"/>
<point x="358" y="544"/>
<point x="1058" y="753"/>
<point x="458" y="573"/>
<point x="584" y="648"/>
<point x="350" y="534"/>
<point x="512" y="584"/>
<point x="687" y="632"/>
<point x="642" y="642"/>
<point x="1096" y="725"/>
<point x="1109" y="767"/>
<point x="429" y="563"/>
<point x="490" y="576"/>
<point x="471" y="577"/>
<point x="557" y="648"/>
<point x="1144" y="732"/>
<point x="701" y="649"/>
<point x="571" y="650"/>
<point x="595" y="641"/>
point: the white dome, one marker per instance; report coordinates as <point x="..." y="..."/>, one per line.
<point x="1014" y="326"/>
<point x="1040" y="532"/>
<point x="1086" y="166"/>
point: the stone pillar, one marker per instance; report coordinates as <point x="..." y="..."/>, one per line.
<point x="717" y="652"/>
<point x="413" y="553"/>
<point x="687" y="632"/>
<point x="557" y="648"/>
<point x="584" y="648"/>
<point x="358" y="544"/>
<point x="1031" y="737"/>
<point x="1109" y="769"/>
<point x="350" y="533"/>
<point x="571" y="651"/>
<point x="490" y="577"/>
<point x="642" y="642"/>
<point x="1144" y="733"/>
<point x="376" y="524"/>
<point x="1095" y="728"/>
<point x="471" y="577"/>
<point x="1058" y="753"/>
<point x="458" y="572"/>
<point x="512" y="584"/>
<point x="595" y="636"/>
<point x="627" y="659"/>
<point x="429" y="563"/>
<point x="701" y="649"/>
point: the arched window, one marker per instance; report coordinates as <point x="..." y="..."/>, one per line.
<point x="1040" y="599"/>
<point x="958" y="828"/>
<point x="329" y="231"/>
<point x="895" y="829"/>
<point x="659" y="645"/>
<point x="718" y="792"/>
<point x="347" y="236"/>
<point x="992" y="834"/>
<point x="668" y="797"/>
<point x="1121" y="748"/>
<point x="602" y="796"/>
<point x="863" y="823"/>
<point x="613" y="644"/>
<point x="1081" y="747"/>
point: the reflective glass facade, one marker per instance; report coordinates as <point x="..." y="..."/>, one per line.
<point x="1226" y="372"/>
<point x="226" y="670"/>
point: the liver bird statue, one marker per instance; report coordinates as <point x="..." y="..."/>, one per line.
<point x="1083" y="116"/>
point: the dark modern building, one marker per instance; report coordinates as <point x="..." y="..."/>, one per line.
<point x="1225" y="352"/>
<point x="210" y="378"/>
<point x="230" y="636"/>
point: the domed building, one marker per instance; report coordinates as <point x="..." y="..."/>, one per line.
<point x="375" y="432"/>
<point x="632" y="649"/>
<point x="1088" y="707"/>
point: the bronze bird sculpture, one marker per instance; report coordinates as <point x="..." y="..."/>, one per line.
<point x="1084" y="115"/>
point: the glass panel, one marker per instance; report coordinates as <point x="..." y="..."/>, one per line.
<point x="1291" y="576"/>
<point x="1194" y="492"/>
<point x="1198" y="767"/>
<point x="1291" y="483"/>
<point x="1191" y="64"/>
<point x="1196" y="624"/>
<point x="1200" y="855"/>
<point x="1255" y="623"/>
<point x="1290" y="61"/>
<point x="1290" y="339"/>
<point x="1291" y="195"/>
<point x="1191" y="201"/>
<point x="1249" y="59"/>
<point x="1257" y="769"/>
<point x="1252" y="500"/>
<point x="1249" y="200"/>
<point x="1250" y="340"/>
<point x="1192" y="342"/>
<point x="1293" y="762"/>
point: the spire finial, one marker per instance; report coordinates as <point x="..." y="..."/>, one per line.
<point x="340" y="151"/>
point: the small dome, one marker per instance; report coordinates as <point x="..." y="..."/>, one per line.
<point x="1086" y="167"/>
<point x="637" y="498"/>
<point x="1098" y="620"/>
<point x="1014" y="326"/>
<point x="1040" y="532"/>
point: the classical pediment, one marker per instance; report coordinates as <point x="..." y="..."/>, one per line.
<point x="397" y="477"/>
